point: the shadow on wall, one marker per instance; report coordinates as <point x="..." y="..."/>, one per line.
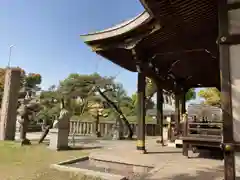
<point x="206" y="173"/>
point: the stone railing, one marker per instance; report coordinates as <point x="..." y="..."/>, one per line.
<point x="79" y="127"/>
<point x="105" y="128"/>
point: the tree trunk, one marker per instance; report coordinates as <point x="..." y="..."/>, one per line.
<point x="97" y="131"/>
<point x="45" y="133"/>
<point x="118" y="110"/>
<point x="23" y="130"/>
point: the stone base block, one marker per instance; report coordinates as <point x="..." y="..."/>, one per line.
<point x="58" y="139"/>
<point x="117" y="135"/>
<point x="96" y="135"/>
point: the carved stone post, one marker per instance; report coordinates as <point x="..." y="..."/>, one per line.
<point x="9" y="104"/>
<point x="59" y="135"/>
<point x="141" y="111"/>
<point x="160" y="112"/>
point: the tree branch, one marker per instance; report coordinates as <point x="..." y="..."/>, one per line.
<point x="113" y="105"/>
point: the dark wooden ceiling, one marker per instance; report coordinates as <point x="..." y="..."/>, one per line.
<point x="184" y="49"/>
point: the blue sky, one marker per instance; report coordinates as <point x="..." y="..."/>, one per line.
<point x="46" y="36"/>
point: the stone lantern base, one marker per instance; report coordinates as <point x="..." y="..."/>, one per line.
<point x="58" y="139"/>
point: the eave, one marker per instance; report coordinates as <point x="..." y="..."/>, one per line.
<point x="167" y="31"/>
<point x="119" y="29"/>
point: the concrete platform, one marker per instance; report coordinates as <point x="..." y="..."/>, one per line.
<point x="168" y="162"/>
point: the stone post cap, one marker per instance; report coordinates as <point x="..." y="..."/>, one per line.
<point x="17" y="69"/>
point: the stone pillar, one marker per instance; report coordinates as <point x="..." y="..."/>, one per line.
<point x="9" y="104"/>
<point x="91" y="128"/>
<point x="160" y="113"/>
<point x="141" y="111"/>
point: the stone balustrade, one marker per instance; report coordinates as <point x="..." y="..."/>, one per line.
<point x="82" y="128"/>
<point x="105" y="128"/>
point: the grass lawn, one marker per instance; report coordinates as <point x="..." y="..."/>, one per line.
<point x="32" y="162"/>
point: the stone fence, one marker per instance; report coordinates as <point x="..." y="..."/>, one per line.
<point x="105" y="128"/>
<point x="78" y="127"/>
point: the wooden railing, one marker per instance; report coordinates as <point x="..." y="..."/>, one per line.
<point x="203" y="129"/>
<point x="78" y="127"/>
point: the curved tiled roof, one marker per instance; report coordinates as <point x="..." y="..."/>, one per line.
<point x="167" y="32"/>
<point x="119" y="29"/>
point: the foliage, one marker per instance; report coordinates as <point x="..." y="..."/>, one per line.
<point x="118" y="95"/>
<point x="78" y="90"/>
<point x="191" y="94"/>
<point x="93" y="94"/>
<point x="151" y="89"/>
<point x="32" y="80"/>
<point x="83" y="98"/>
<point x="211" y="96"/>
<point x="2" y="77"/>
<point x="28" y="82"/>
<point x="49" y="101"/>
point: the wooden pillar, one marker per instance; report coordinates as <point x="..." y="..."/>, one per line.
<point x="160" y="112"/>
<point x="229" y="48"/>
<point x="177" y="112"/>
<point x="184" y="123"/>
<point x="141" y="111"/>
<point x="183" y="102"/>
<point x="185" y="133"/>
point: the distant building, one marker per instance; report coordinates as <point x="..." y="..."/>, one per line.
<point x="206" y="112"/>
<point x="168" y="106"/>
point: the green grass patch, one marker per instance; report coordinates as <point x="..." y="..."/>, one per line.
<point x="33" y="162"/>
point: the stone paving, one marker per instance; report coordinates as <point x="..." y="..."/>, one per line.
<point x="168" y="161"/>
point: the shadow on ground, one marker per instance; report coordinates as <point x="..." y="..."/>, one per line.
<point x="167" y="152"/>
<point x="205" y="174"/>
<point x="207" y="155"/>
<point x="84" y="148"/>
